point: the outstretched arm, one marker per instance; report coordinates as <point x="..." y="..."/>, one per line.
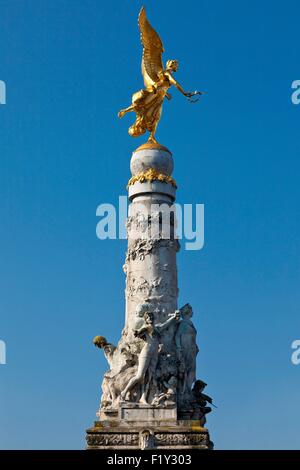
<point x="176" y="84"/>
<point x="172" y="317"/>
<point x="179" y="87"/>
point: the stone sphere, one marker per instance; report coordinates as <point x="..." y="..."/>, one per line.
<point x="158" y="159"/>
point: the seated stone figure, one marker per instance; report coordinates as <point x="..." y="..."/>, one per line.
<point x="121" y="369"/>
<point x="199" y="401"/>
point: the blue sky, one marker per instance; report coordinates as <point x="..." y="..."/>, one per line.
<point x="69" y="66"/>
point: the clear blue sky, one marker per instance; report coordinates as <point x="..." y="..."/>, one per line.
<point x="69" y="66"/>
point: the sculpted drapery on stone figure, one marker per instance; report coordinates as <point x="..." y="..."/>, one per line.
<point x="187" y="349"/>
<point x="122" y="368"/>
<point x="147" y="103"/>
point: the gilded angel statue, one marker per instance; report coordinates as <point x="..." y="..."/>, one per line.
<point x="147" y="103"/>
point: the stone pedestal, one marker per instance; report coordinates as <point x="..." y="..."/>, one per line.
<point x="179" y="435"/>
<point x="148" y="401"/>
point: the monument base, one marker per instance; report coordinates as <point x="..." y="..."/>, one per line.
<point x="154" y="434"/>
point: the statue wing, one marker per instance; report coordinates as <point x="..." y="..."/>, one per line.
<point x="152" y="51"/>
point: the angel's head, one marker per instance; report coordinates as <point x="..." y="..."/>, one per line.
<point x="172" y="65"/>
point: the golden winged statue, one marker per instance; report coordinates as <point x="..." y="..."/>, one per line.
<point x="147" y="103"/>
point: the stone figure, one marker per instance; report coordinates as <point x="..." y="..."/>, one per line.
<point x="187" y="349"/>
<point x="121" y="368"/>
<point x="147" y="103"/>
<point x="149" y="332"/>
<point x="200" y="400"/>
<point x="201" y="397"/>
<point x="108" y="391"/>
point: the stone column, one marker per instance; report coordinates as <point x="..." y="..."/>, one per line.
<point x="150" y="264"/>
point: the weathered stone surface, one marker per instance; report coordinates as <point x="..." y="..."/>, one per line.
<point x="148" y="436"/>
<point x="141" y="413"/>
<point x="160" y="160"/>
